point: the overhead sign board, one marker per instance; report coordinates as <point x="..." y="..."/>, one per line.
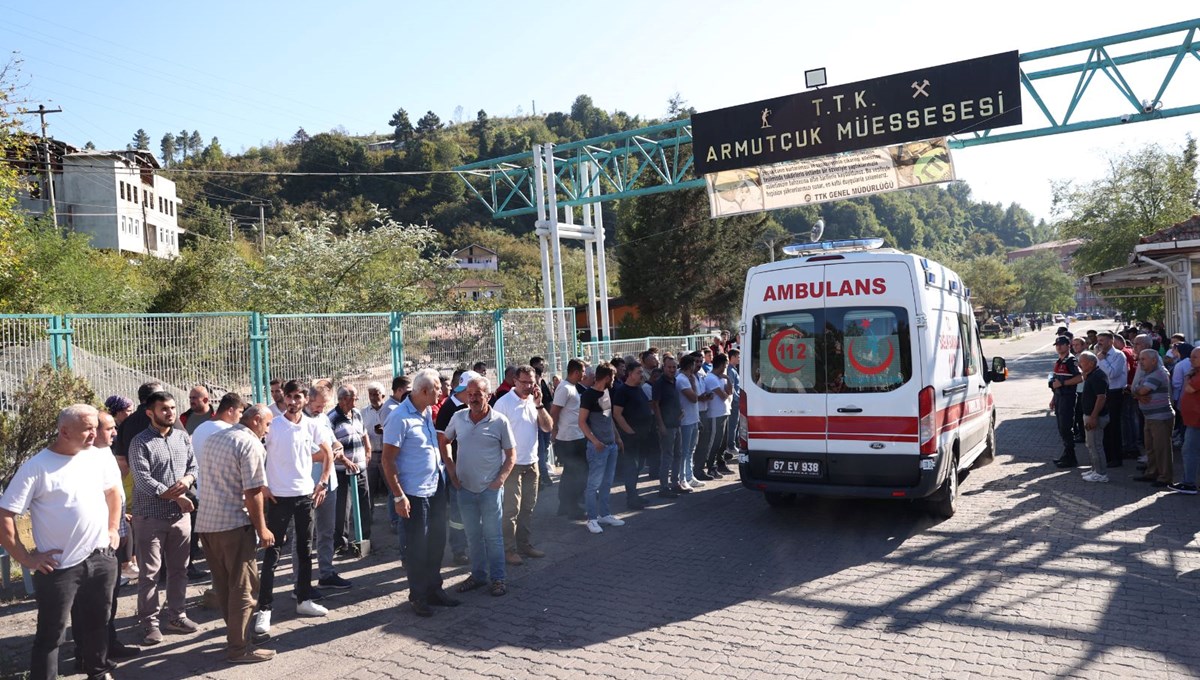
<point x="951" y="99"/>
<point x="829" y="178"/>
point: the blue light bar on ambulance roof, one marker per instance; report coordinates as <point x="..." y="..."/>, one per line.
<point x="833" y="246"/>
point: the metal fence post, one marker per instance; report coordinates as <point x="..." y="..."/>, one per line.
<point x="498" y="317"/>
<point x="258" y="367"/>
<point x="396" y="330"/>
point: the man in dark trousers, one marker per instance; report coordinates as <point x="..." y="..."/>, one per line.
<point x="1065" y="377"/>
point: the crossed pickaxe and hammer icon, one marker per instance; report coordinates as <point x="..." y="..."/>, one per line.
<point x="919" y="89"/>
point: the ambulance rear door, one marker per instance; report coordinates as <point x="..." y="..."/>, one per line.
<point x="784" y="399"/>
<point x="872" y="357"/>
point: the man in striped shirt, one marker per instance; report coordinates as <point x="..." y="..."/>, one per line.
<point x="231" y="513"/>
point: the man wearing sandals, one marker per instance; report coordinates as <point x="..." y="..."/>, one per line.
<point x="486" y="456"/>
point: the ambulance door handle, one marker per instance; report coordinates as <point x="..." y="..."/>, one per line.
<point x="954" y="390"/>
<point x="849" y="409"/>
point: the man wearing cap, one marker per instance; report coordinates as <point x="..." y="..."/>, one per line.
<point x="1063" y="380"/>
<point x="455" y="403"/>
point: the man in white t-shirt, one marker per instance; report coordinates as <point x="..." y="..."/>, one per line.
<point x="527" y="416"/>
<point x="570" y="448"/>
<point x="229" y="412"/>
<point x="712" y="447"/>
<point x="293" y="446"/>
<point x="688" y="387"/>
<point x="74" y="499"/>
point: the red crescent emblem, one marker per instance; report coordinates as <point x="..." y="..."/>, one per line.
<point x="871" y="370"/>
<point x="777" y="359"/>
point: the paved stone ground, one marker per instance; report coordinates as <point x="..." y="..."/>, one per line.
<point x="1038" y="575"/>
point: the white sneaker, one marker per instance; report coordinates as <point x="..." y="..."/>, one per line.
<point x="262" y="623"/>
<point x="310" y="608"/>
<point x="611" y="521"/>
<point x="594" y="527"/>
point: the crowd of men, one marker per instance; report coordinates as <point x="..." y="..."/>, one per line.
<point x="138" y="492"/>
<point x="1128" y="395"/>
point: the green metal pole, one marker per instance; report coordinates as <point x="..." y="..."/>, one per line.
<point x="396" y="330"/>
<point x="498" y="317"/>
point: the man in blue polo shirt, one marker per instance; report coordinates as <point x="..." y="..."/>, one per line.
<point x="412" y="469"/>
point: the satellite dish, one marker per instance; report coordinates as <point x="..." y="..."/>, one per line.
<point x="818" y="230"/>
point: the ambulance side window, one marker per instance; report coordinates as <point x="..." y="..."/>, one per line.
<point x="968" y="342"/>
<point x="867" y="349"/>
<point x="783" y="352"/>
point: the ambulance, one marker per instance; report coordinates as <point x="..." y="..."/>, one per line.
<point x="865" y="377"/>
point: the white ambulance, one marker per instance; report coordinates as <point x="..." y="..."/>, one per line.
<point x="865" y="377"/>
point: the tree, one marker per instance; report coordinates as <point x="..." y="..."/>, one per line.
<point x="1144" y="191"/>
<point x="168" y="149"/>
<point x="677" y="108"/>
<point x="141" y="141"/>
<point x="705" y="264"/>
<point x="482" y="130"/>
<point x="429" y="123"/>
<point x="1044" y="286"/>
<point x="32" y="426"/>
<point x="380" y="268"/>
<point x="992" y="284"/>
<point x="196" y="142"/>
<point x="214" y="153"/>
<point x="183" y="142"/>
<point x="402" y="128"/>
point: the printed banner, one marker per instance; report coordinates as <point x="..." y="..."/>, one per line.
<point x="829" y="178"/>
<point x="951" y="99"/>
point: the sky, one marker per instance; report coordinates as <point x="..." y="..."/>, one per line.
<point x="250" y="73"/>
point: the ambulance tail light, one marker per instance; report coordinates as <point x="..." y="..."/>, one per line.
<point x="926" y="423"/>
<point x="743" y="430"/>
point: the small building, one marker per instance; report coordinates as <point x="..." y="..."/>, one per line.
<point x="1169" y="258"/>
<point x="477" y="289"/>
<point x="115" y="197"/>
<point x="477" y="257"/>
<point x="1086" y="300"/>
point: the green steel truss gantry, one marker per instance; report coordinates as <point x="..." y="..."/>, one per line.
<point x="657" y="159"/>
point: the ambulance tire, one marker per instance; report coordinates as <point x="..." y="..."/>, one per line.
<point x="945" y="501"/>
<point x="989" y="452"/>
<point x="777" y="499"/>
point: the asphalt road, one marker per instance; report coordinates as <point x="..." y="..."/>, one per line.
<point x="1038" y="575"/>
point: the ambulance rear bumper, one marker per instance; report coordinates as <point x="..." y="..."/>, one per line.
<point x="847" y="475"/>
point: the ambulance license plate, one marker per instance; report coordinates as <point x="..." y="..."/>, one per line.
<point x="794" y="468"/>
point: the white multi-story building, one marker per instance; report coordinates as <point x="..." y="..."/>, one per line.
<point x="476" y="257"/>
<point x="115" y="197"/>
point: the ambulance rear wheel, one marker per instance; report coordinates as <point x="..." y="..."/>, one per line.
<point x="776" y="499"/>
<point x="945" y="501"/>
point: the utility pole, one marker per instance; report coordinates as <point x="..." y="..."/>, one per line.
<point x="41" y="112"/>
<point x="262" y="229"/>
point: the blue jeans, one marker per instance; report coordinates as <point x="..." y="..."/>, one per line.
<point x="482" y="515"/>
<point x="602" y="467"/>
<point x="1191" y="454"/>
<point x="688" y="435"/>
<point x="457" y="537"/>
<point x="543" y="455"/>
